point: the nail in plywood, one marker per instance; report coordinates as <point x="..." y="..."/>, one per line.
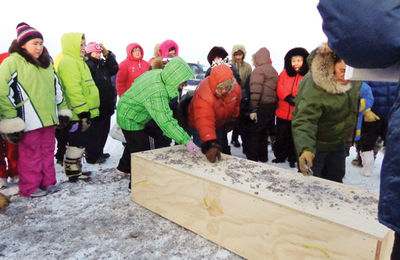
<point x="259" y="211"/>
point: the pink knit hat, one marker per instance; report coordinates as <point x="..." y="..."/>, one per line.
<point x="92" y="47"/>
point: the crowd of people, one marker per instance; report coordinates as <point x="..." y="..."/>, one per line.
<point x="307" y="113"/>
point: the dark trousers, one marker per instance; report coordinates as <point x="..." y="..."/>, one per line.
<point x="62" y="136"/>
<point x="396" y="247"/>
<point x="98" y="133"/>
<point x="284" y="145"/>
<point x="256" y="140"/>
<point x="136" y="141"/>
<point x="78" y="138"/>
<point x="330" y="165"/>
<point x="370" y="132"/>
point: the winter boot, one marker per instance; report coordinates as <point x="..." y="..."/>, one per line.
<point x="357" y="161"/>
<point x="73" y="164"/>
<point x="368" y="163"/>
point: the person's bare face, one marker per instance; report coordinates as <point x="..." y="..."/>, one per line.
<point x="340" y="70"/>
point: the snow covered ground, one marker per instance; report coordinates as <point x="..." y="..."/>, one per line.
<point x="98" y="220"/>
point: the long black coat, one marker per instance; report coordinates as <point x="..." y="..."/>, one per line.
<point x="102" y="70"/>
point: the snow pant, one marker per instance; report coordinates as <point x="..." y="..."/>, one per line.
<point x="62" y="136"/>
<point x="256" y="144"/>
<point x="36" y="161"/>
<point x="330" y="165"/>
<point x="396" y="247"/>
<point x="9" y="151"/>
<point x="370" y="132"/>
<point x="136" y="141"/>
<point x="222" y="138"/>
<point x="284" y="144"/>
<point x="77" y="142"/>
<point x="98" y="133"/>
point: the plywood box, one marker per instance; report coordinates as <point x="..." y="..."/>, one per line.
<point x="259" y="211"/>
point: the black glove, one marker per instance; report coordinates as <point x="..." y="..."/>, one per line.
<point x="14" y="138"/>
<point x="290" y="99"/>
<point x="84" y="121"/>
<point x="63" y="122"/>
<point x="212" y="150"/>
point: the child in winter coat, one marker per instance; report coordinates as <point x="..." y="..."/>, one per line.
<point x="101" y="70"/>
<point x="29" y="96"/>
<point x="131" y="68"/>
<point x="288" y="84"/>
<point x="366" y="102"/>
<point x="8" y="151"/>
<point x="83" y="97"/>
<point x="215" y="101"/>
<point x="148" y="99"/>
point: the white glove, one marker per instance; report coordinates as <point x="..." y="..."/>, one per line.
<point x="253" y="116"/>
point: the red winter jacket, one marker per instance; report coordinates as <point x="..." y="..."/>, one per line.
<point x="286" y="86"/>
<point x="130" y="69"/>
<point x="207" y="111"/>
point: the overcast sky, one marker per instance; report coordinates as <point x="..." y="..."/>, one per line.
<point x="196" y="26"/>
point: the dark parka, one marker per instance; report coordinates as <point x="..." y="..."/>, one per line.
<point x="325" y="111"/>
<point x="385" y="46"/>
<point x="102" y="70"/>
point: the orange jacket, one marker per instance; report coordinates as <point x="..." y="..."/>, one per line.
<point x="286" y="86"/>
<point x="208" y="111"/>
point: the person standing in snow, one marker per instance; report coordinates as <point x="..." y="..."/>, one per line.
<point x="215" y="102"/>
<point x="244" y="69"/>
<point x="83" y="98"/>
<point x="147" y="99"/>
<point x="131" y="68"/>
<point x="365" y="115"/>
<point x="324" y="116"/>
<point x="288" y="85"/>
<point x="262" y="105"/>
<point x="375" y="48"/>
<point x="102" y="70"/>
<point x="9" y="152"/>
<point x="384" y="94"/>
<point x="30" y="100"/>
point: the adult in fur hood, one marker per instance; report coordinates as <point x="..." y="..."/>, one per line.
<point x="31" y="101"/>
<point x="324" y="116"/>
<point x="244" y="70"/>
<point x="376" y="49"/>
<point x="296" y="67"/>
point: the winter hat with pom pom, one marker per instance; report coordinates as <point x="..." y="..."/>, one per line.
<point x="92" y="47"/>
<point x="26" y="33"/>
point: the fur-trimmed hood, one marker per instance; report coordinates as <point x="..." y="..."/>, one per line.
<point x="323" y="73"/>
<point x="239" y="47"/>
<point x="298" y="51"/>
